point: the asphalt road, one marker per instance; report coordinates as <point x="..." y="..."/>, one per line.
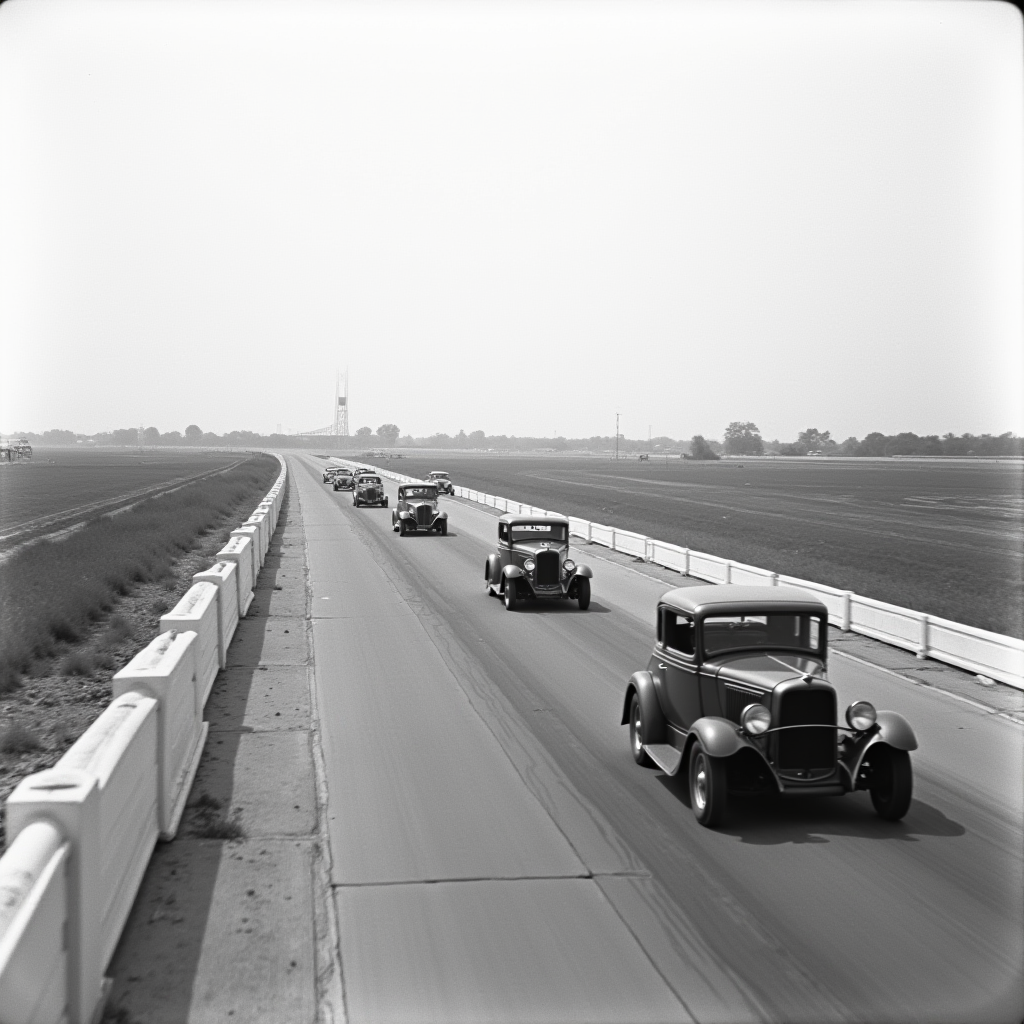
<point x="499" y="856"/>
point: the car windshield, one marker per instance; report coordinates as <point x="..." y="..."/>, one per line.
<point x="420" y="492"/>
<point x="741" y="632"/>
<point x="369" y="479"/>
<point x="539" y="531"/>
<point x="438" y="476"/>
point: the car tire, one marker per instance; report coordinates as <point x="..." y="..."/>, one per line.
<point x="636" y="732"/>
<point x="583" y="593"/>
<point x="709" y="795"/>
<point x="443" y="528"/>
<point x="385" y="501"/>
<point x="892" y="783"/>
<point x="401" y="528"/>
<point x="511" y="597"/>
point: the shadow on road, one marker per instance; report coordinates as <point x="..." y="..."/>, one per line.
<point x="773" y="820"/>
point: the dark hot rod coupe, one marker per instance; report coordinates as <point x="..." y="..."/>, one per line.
<point x="369" y="490"/>
<point x="416" y="509"/>
<point x="533" y="560"/>
<point x="736" y="692"/>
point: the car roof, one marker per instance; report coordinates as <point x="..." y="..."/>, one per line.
<point x="514" y="520"/>
<point x="733" y="598"/>
<point x="438" y="472"/>
<point x="417" y="483"/>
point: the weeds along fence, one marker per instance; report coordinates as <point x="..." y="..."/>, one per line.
<point x="81" y="833"/>
<point x="928" y="636"/>
<point x="54" y="592"/>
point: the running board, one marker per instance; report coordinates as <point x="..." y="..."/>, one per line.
<point x="665" y="756"/>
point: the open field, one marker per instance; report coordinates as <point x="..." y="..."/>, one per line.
<point x="52" y="592"/>
<point x="941" y="537"/>
<point x="60" y="487"/>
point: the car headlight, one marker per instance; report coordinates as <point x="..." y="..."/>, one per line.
<point x="529" y="565"/>
<point x="569" y="565"/>
<point x="755" y="719"/>
<point x="861" y="715"/>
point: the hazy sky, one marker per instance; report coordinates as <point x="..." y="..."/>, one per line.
<point x="519" y="217"/>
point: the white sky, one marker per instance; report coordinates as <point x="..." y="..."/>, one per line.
<point x="519" y="217"/>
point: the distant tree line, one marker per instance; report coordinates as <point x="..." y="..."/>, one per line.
<point x="740" y="439"/>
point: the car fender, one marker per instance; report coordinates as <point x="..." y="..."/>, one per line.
<point x="492" y="570"/>
<point x="585" y="571"/>
<point x="890" y="728"/>
<point x="642" y="684"/>
<point x="405" y="514"/>
<point x="718" y="736"/>
<point x="441" y="515"/>
<point x="512" y="572"/>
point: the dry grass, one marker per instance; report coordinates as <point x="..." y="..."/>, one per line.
<point x="18" y="738"/>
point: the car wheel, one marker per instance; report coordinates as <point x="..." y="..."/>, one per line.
<point x="385" y="502"/>
<point x="583" y="593"/>
<point x="401" y="528"/>
<point x="511" y="597"/>
<point x="892" y="783"/>
<point x="636" y="732"/>
<point x="708" y="793"/>
<point x="443" y="528"/>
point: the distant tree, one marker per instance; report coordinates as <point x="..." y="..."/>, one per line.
<point x="439" y="441"/>
<point x="478" y="439"/>
<point x="814" y="440"/>
<point x="171" y="437"/>
<point x="408" y="441"/>
<point x="193" y="434"/>
<point x="793" y="448"/>
<point x="151" y="435"/>
<point x="363" y="432"/>
<point x="130" y="435"/>
<point x="872" y="445"/>
<point x="701" y="450"/>
<point x="388" y="434"/>
<point x="460" y="440"/>
<point x="848" y="447"/>
<point x="56" y="437"/>
<point x="743" y="439"/>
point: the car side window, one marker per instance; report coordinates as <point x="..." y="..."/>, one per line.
<point x="677" y="632"/>
<point x="503" y="532"/>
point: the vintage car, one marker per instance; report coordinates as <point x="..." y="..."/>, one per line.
<point x="533" y="560"/>
<point x="441" y="479"/>
<point x="736" y="692"/>
<point x="416" y="509"/>
<point x="369" y="490"/>
<point x="344" y="480"/>
<point x="330" y="472"/>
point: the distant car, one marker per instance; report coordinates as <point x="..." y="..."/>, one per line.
<point x="736" y="693"/>
<point x="369" y="490"/>
<point x="533" y="560"/>
<point x="360" y="470"/>
<point x="331" y="472"/>
<point x="416" y="510"/>
<point x="440" y="478"/>
<point x="344" y="480"/>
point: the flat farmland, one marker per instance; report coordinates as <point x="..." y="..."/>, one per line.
<point x="945" y="538"/>
<point x="60" y="487"/>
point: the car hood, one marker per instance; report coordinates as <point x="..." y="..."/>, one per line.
<point x="765" y="669"/>
<point x="526" y="548"/>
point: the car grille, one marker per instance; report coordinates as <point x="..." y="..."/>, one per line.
<point x="547" y="568"/>
<point x="370" y="494"/>
<point x="806" y="748"/>
<point x="423" y="515"/>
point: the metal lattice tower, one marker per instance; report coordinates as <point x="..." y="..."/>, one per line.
<point x="341" y="406"/>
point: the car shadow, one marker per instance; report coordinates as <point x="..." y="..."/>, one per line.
<point x="774" y="820"/>
<point x="559" y="606"/>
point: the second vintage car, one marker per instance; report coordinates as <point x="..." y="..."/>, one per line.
<point x="736" y="694"/>
<point x="344" y="480"/>
<point x="369" y="490"/>
<point x="416" y="509"/>
<point x="440" y="479"/>
<point x="532" y="560"/>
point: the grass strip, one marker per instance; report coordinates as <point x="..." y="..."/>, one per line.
<point x="52" y="593"/>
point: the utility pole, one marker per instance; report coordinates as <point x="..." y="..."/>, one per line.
<point x="616" y="437"/>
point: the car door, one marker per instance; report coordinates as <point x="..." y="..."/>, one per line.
<point x="504" y="547"/>
<point x="678" y="666"/>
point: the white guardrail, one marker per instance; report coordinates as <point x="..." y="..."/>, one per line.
<point x="80" y="834"/>
<point x="976" y="650"/>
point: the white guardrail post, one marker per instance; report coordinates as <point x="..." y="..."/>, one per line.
<point x="239" y="550"/>
<point x="166" y="671"/>
<point x="222" y="574"/>
<point x="197" y="611"/>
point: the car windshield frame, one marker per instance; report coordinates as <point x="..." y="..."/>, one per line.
<point x="534" y="533"/>
<point x="780" y="635"/>
<point x="369" y="480"/>
<point x="404" y="494"/>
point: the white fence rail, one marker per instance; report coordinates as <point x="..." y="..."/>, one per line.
<point x="976" y="650"/>
<point x="81" y="833"/>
